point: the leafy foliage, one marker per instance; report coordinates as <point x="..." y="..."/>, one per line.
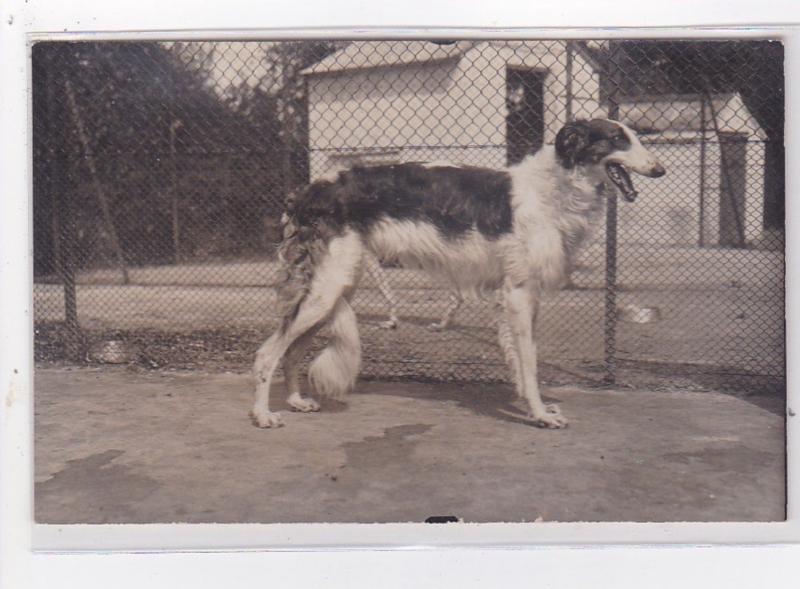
<point x="157" y="131"/>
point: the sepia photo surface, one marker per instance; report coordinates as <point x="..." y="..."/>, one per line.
<point x="530" y="281"/>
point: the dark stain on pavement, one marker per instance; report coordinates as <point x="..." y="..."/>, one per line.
<point x="395" y="445"/>
<point x="97" y="491"/>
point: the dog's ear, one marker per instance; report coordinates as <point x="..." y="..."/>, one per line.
<point x="571" y="141"/>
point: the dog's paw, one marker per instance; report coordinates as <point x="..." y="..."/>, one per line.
<point x="267" y="419"/>
<point x="437" y="326"/>
<point x="388" y="324"/>
<point x="302" y="404"/>
<point x="552" y="418"/>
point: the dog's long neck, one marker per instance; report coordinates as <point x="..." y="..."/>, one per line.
<point x="571" y="198"/>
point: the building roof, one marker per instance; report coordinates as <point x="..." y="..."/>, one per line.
<point x="368" y="54"/>
<point x="684" y="113"/>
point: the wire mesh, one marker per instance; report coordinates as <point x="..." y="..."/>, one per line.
<point x="160" y="172"/>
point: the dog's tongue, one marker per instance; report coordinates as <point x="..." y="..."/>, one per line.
<point x="619" y="176"/>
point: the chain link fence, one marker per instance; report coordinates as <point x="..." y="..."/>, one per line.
<point x="160" y="171"/>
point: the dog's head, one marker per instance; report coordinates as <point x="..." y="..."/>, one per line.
<point x="609" y="146"/>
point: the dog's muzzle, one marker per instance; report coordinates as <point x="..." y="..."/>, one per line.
<point x="618" y="174"/>
<point x="656" y="171"/>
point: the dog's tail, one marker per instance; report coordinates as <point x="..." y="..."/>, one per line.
<point x="298" y="253"/>
<point x="305" y="244"/>
<point x="333" y="373"/>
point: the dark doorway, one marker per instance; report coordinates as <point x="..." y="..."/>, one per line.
<point x="733" y="166"/>
<point x="525" y="121"/>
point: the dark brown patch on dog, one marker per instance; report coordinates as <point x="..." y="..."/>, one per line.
<point x="453" y="199"/>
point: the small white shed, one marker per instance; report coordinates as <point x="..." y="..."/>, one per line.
<point x="467" y="102"/>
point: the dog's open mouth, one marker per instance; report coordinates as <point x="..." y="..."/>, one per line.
<point x="619" y="176"/>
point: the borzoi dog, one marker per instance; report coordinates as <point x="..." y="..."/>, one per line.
<point x="475" y="228"/>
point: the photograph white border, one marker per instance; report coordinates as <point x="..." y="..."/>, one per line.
<point x="505" y="544"/>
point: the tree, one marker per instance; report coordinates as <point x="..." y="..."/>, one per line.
<point x="282" y="93"/>
<point x="130" y="96"/>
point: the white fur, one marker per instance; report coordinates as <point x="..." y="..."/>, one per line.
<point x="637" y="158"/>
<point x="553" y="211"/>
<point x="469" y="264"/>
<point x="440" y="164"/>
<point x="333" y="373"/>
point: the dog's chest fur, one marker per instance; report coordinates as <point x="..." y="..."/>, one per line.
<point x="554" y="210"/>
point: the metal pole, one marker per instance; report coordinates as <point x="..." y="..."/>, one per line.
<point x="610" y="322"/>
<point x="68" y="269"/>
<point x="62" y="193"/>
<point x="176" y="228"/>
<point x="610" y="318"/>
<point x="702" y="212"/>
<point x="568" y="88"/>
<point x="64" y="219"/>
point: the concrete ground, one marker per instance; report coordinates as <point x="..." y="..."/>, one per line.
<point x="113" y="445"/>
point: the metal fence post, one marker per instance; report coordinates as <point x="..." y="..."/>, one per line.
<point x="61" y="190"/>
<point x="63" y="220"/>
<point x="702" y="188"/>
<point x="610" y="317"/>
<point x="174" y="194"/>
<point x="610" y="323"/>
<point x="569" y="75"/>
<point x="67" y="271"/>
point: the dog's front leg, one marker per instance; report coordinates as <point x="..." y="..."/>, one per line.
<point x="521" y="303"/>
<point x="267" y="358"/>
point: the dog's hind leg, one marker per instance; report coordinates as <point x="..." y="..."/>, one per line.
<point x="333" y="277"/>
<point x="521" y="304"/>
<point x="378" y="275"/>
<point x="452" y="307"/>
